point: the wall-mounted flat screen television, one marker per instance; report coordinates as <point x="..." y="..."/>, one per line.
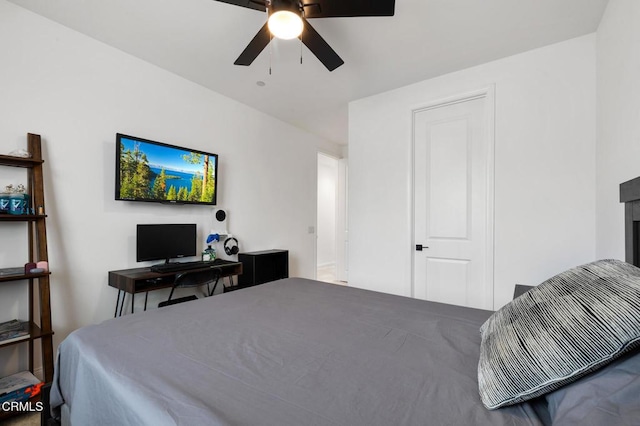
<point x="154" y="171"/>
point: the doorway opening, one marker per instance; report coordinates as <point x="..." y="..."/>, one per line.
<point x="330" y="221"/>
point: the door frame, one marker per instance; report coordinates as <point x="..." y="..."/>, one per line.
<point x="488" y="93"/>
<point x="342" y="222"/>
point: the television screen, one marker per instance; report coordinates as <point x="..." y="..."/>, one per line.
<point x="153" y="171"/>
<point x="165" y="241"/>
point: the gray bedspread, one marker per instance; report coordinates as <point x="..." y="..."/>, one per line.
<point x="291" y="352"/>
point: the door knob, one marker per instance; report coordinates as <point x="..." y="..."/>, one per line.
<point x="419" y="247"/>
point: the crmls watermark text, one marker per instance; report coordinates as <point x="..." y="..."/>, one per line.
<point x="22" y="406"/>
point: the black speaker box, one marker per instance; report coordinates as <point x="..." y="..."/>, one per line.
<point x="263" y="266"/>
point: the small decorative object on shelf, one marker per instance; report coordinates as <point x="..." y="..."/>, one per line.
<point x="209" y="254"/>
<point x="5" y="202"/>
<point x="29" y="266"/>
<point x="20" y="153"/>
<point x="14" y="200"/>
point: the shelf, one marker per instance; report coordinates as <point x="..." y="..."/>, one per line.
<point x="10" y="160"/>
<point x="5" y="217"/>
<point x="35" y="332"/>
<point x="18" y="277"/>
<point x="39" y="286"/>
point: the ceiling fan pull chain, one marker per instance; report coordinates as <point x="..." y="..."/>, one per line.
<point x="270" y="52"/>
<point x="267" y="6"/>
<point x="301" y="14"/>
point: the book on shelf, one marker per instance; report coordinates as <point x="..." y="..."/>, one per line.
<point x="12" y="271"/>
<point x="21" y="386"/>
<point x="13" y="324"/>
<point x="13" y="330"/>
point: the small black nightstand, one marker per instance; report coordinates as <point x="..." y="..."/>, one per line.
<point x="263" y="266"/>
<point x="521" y="289"/>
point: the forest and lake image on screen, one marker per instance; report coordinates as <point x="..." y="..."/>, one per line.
<point x="151" y="171"/>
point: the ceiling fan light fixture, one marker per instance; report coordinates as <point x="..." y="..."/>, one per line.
<point x="285" y="24"/>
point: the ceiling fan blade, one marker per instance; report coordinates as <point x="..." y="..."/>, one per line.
<point x="251" y="4"/>
<point x="253" y="49"/>
<point x="345" y="9"/>
<point x="320" y="48"/>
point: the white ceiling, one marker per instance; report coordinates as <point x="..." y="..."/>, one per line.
<point x="200" y="39"/>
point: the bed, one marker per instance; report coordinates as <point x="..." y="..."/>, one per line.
<point x="303" y="352"/>
<point x="290" y="352"/>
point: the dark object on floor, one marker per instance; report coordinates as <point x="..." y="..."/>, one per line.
<point x="45" y="418"/>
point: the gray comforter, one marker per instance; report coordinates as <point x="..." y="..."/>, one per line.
<point x="292" y="352"/>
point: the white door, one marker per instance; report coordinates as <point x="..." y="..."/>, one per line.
<point x="453" y="219"/>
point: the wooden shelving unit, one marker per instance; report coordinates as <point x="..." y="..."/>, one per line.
<point x="39" y="286"/>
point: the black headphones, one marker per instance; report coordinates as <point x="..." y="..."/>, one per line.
<point x="233" y="248"/>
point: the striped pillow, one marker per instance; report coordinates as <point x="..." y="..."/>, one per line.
<point x="564" y="328"/>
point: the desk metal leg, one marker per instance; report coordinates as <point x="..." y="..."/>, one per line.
<point x="214" y="286"/>
<point x="121" y="303"/>
<point x="133" y="295"/>
<point x="146" y="296"/>
<point x="124" y="295"/>
<point x="115" y="314"/>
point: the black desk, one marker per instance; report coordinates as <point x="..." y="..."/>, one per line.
<point x="139" y="280"/>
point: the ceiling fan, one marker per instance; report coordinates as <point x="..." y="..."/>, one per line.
<point x="287" y="19"/>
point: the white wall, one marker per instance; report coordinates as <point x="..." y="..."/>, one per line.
<point x="618" y="143"/>
<point x="77" y="93"/>
<point x="544" y="168"/>
<point x="327" y="187"/>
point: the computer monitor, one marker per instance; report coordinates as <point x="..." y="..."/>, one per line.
<point x="165" y="241"/>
